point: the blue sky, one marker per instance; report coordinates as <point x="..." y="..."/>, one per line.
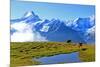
<point x="51" y="10"/>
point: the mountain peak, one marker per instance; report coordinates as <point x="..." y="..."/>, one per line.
<point x="57" y="30"/>
<point x="29" y="13"/>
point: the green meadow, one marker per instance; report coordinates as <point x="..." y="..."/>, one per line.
<point x="21" y="53"/>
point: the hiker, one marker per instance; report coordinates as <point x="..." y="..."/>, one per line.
<point x="80" y="44"/>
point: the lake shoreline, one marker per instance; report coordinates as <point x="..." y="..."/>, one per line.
<point x="22" y="53"/>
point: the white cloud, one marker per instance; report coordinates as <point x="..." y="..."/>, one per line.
<point x="92" y="18"/>
<point x="21" y="26"/>
<point x="91" y="31"/>
<point x="90" y="34"/>
<point x="25" y="33"/>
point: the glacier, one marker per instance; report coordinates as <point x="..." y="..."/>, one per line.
<point x="31" y="28"/>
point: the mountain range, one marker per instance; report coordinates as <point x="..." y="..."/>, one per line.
<point x="30" y="27"/>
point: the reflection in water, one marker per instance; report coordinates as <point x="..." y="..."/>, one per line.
<point x="61" y="58"/>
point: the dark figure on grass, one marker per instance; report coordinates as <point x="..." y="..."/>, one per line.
<point x="80" y="46"/>
<point x="69" y="41"/>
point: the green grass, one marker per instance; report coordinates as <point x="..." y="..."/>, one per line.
<point x="87" y="55"/>
<point x="22" y="53"/>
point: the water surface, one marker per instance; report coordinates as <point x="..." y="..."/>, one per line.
<point x="61" y="58"/>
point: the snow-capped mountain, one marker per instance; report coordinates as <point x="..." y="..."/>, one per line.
<point x="29" y="17"/>
<point x="32" y="28"/>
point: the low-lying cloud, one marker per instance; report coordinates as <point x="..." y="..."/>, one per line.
<point x="25" y="33"/>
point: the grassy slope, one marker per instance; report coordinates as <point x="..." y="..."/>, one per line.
<point x="87" y="55"/>
<point x="22" y="53"/>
